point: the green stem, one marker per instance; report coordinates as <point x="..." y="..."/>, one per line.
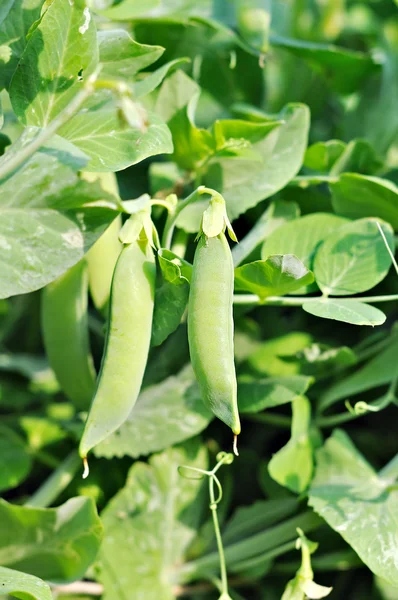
<point x="44" y="457"/>
<point x="57" y="482"/>
<point x="12" y="163"/>
<point x="337" y="419"/>
<point x="270" y="419"/>
<point x="260" y="543"/>
<point x="220" y="547"/>
<point x="299" y="300"/>
<point x="173" y="216"/>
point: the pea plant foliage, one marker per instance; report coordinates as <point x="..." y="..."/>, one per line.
<point x="198" y="299"/>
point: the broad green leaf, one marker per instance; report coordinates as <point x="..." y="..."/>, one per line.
<point x="135" y="9"/>
<point x="292" y="466"/>
<point x="278" y="213"/>
<point x="112" y="145"/>
<point x="15" y="461"/>
<point x="320" y="359"/>
<point x="60" y="54"/>
<point x="58" y="544"/>
<point x="323" y="155"/>
<point x="16" y="17"/>
<point x="165" y="414"/>
<point x="150" y="523"/>
<point x="121" y="56"/>
<point x="357" y="196"/>
<point x="387" y="591"/>
<point x="175" y="94"/>
<point x="344" y="69"/>
<point x="41" y="431"/>
<point x="356" y="502"/>
<point x="279" y="274"/>
<point x="347" y="311"/>
<point x="268" y="358"/>
<point x="63" y="215"/>
<point x="149" y="82"/>
<point x="191" y="144"/>
<point x="378" y="371"/>
<point x="302" y="238"/>
<point x="354" y="258"/>
<point x="23" y="586"/>
<point x="171" y="298"/>
<point x="244" y="183"/>
<point x="335" y="157"/>
<point x="254" y="396"/>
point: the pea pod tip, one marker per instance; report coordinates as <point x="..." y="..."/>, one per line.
<point x="235" y="445"/>
<point x="86" y="469"/>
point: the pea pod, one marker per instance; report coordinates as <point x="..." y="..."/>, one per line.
<point x="65" y="334"/>
<point x="102" y="258"/>
<point x="211" y="328"/>
<point x="103" y="255"/>
<point x="126" y="346"/>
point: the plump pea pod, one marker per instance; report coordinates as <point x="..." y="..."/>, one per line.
<point x="65" y="334"/>
<point x="126" y="346"/>
<point x="211" y="328"/>
<point x="102" y="258"/>
<point x="103" y="255"/>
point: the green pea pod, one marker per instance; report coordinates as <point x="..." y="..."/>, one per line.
<point x="65" y="334"/>
<point x="103" y="255"/>
<point x="211" y="328"/>
<point x="126" y="346"/>
<point x="102" y="258"/>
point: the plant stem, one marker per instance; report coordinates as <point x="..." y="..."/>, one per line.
<point x="57" y="482"/>
<point x="220" y="547"/>
<point x="270" y="418"/>
<point x="299" y="300"/>
<point x="9" y="165"/>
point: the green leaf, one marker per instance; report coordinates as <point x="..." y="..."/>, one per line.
<point x="302" y="237"/>
<point x="354" y="258"/>
<point x="149" y="82"/>
<point x="16" y="17"/>
<point x="357" y="196"/>
<point x="63" y="215"/>
<point x="277" y="213"/>
<point x="343" y="69"/>
<point x="320" y="359"/>
<point x="58" y="544"/>
<point x="15" y="461"/>
<point x="185" y="266"/>
<point x="41" y="431"/>
<point x="135" y="9"/>
<point x="292" y="466"/>
<point x="378" y="371"/>
<point x="244" y="183"/>
<point x="23" y="586"/>
<point x="113" y="145"/>
<point x="323" y="155"/>
<point x="356" y="502"/>
<point x="171" y="298"/>
<point x="248" y="520"/>
<point x="279" y="274"/>
<point x="165" y="414"/>
<point x="61" y="51"/>
<point x="164" y="506"/>
<point x="347" y="311"/>
<point x="254" y="396"/>
<point x="268" y="358"/>
<point x="175" y="94"/>
<point x="121" y="56"/>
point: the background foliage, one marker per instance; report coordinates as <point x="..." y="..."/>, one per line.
<point x="288" y="108"/>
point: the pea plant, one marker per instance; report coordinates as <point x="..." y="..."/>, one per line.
<point x="198" y="299"/>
